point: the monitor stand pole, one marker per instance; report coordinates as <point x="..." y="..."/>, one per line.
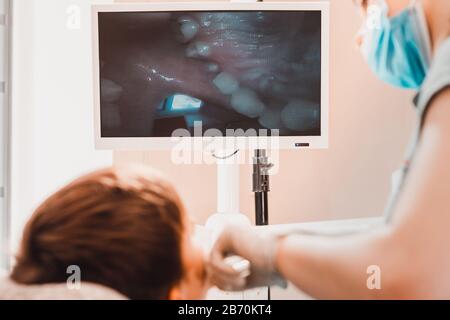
<point x="227" y="192"/>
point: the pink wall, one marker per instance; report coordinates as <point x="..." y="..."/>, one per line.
<point x="369" y="129"/>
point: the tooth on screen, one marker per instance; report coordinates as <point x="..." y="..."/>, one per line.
<point x="212" y="67"/>
<point x="266" y="82"/>
<point x="271" y="119"/>
<point x="226" y="83"/>
<point x="188" y="27"/>
<point x="198" y="49"/>
<point x="300" y="115"/>
<point x="110" y="91"/>
<point x="246" y="102"/>
<point x="203" y="49"/>
<point x="110" y="115"/>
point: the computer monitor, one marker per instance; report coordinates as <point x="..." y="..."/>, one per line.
<point x="202" y="70"/>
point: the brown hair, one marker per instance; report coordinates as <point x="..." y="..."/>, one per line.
<point x="122" y="227"/>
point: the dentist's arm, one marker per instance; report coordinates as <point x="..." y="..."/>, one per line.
<point x="337" y="268"/>
<point x="412" y="253"/>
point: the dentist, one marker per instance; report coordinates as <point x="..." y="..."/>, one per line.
<point x="408" y="46"/>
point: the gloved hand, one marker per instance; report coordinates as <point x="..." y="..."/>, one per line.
<point x="257" y="246"/>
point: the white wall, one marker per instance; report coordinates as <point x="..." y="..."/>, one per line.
<point x="4" y="129"/>
<point x="52" y="133"/>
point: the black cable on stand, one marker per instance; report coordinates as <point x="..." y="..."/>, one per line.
<point x="261" y="209"/>
<point x="261" y="188"/>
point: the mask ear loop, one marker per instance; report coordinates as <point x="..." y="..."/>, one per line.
<point x="422" y="29"/>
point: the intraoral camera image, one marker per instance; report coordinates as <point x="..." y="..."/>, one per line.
<point x="162" y="71"/>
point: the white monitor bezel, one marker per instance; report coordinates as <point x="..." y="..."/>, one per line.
<point x="167" y="143"/>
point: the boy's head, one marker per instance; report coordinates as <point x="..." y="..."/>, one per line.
<point x="125" y="228"/>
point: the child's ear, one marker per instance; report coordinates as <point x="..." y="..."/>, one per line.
<point x="175" y="293"/>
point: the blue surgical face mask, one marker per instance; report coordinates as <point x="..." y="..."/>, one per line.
<point x="397" y="49"/>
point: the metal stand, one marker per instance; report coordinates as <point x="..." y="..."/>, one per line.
<point x="261" y="188"/>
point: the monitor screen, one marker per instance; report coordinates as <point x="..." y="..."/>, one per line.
<point x="196" y="70"/>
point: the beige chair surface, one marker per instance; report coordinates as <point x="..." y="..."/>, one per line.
<point x="9" y="290"/>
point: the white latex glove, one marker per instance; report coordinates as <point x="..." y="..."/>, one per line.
<point x="257" y="246"/>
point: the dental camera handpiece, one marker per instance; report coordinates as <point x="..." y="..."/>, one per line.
<point x="244" y="257"/>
